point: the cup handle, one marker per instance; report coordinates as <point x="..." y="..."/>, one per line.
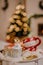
<point x="38" y="42"/>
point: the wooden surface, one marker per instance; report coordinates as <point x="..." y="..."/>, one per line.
<point x="0" y="62"/>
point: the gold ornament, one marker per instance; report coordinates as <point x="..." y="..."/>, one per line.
<point x="25" y="29"/>
<point x="19" y="22"/>
<point x="11" y="28"/>
<point x="24" y="19"/>
<point x="11" y="20"/>
<point x="16" y="17"/>
<point x="17" y="29"/>
<point x="23" y="13"/>
<point x="7" y="37"/>
<point x="18" y="7"/>
<point x="15" y="26"/>
<point x="17" y="12"/>
<point x="25" y="25"/>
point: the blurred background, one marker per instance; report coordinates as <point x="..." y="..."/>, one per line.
<point x="34" y="10"/>
<point x="32" y="7"/>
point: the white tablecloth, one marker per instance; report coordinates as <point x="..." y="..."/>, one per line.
<point x="11" y="61"/>
<point x="14" y="61"/>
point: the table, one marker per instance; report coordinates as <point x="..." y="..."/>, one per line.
<point x="12" y="61"/>
<point x="2" y="44"/>
<point x="35" y="61"/>
<point x="6" y="59"/>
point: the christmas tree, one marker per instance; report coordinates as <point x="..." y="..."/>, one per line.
<point x="18" y="24"/>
